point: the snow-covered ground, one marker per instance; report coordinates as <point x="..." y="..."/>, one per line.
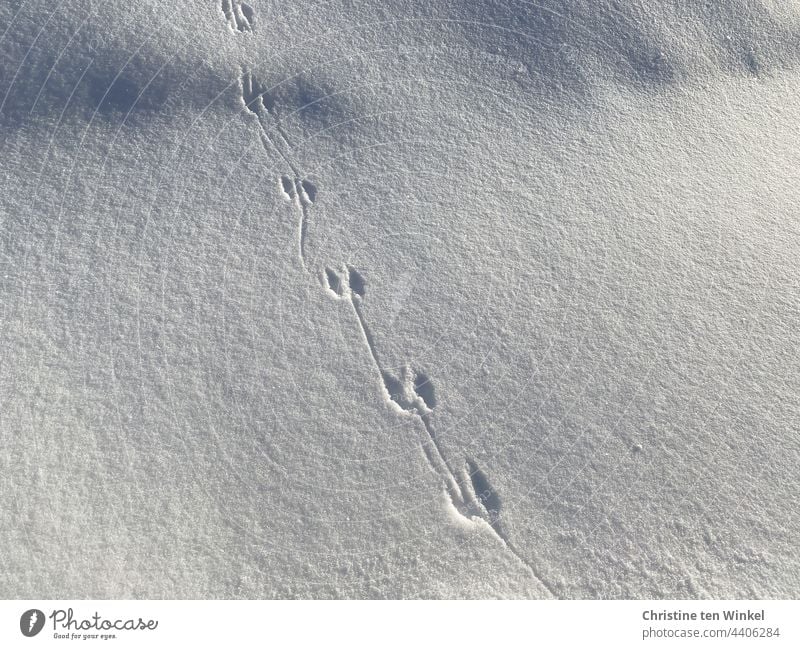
<point x="356" y="298"/>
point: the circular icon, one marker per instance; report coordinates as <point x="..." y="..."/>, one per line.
<point x="31" y="622"/>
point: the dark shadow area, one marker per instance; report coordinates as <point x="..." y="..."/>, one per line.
<point x="334" y="281"/>
<point x="249" y="14"/>
<point x="127" y="92"/>
<point x="483" y="490"/>
<point x="68" y="72"/>
<point x="424" y="388"/>
<point x="309" y="190"/>
<point x="636" y="43"/>
<point x="356" y="281"/>
<point x="288" y="187"/>
<point x="395" y="389"/>
<point x="314" y="104"/>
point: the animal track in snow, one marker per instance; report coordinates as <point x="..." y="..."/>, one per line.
<point x="487" y="497"/>
<point x="396" y="389"/>
<point x="287" y="186"/>
<point x="357" y="283"/>
<point x="333" y="282"/>
<point x="240" y="16"/>
<point x="255" y="96"/>
<point x="307" y="191"/>
<point x="485" y="503"/>
<point x="424" y="388"/>
<point x="303" y="190"/>
<point x="260" y="102"/>
<point x="295" y="186"/>
<point x="412" y="391"/>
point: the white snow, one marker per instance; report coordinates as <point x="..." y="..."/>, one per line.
<point x="526" y="326"/>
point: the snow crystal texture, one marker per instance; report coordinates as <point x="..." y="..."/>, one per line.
<point x="416" y="299"/>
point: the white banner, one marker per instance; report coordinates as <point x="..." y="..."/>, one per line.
<point x="406" y="624"/>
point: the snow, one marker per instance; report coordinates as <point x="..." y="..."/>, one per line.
<point x="399" y="300"/>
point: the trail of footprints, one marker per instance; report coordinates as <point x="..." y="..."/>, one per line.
<point x="294" y="186"/>
<point x="410" y="391"/>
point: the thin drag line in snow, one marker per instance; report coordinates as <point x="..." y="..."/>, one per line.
<point x="412" y="393"/>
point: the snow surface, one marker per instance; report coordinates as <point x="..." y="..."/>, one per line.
<point x="413" y="299"/>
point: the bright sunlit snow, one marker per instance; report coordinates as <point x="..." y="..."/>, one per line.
<point x="416" y="299"/>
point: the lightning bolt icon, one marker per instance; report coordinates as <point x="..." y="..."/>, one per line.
<point x="32" y="621"/>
